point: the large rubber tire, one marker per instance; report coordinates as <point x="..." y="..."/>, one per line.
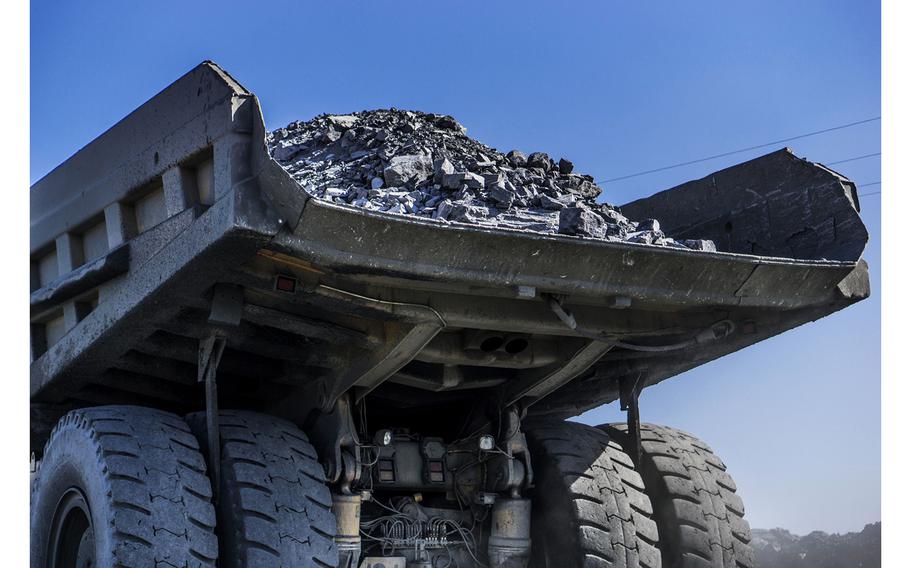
<point x="700" y="517"/>
<point x="589" y="505"/>
<point x="274" y="508"/>
<point x="140" y="484"/>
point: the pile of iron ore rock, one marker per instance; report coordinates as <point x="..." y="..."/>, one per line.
<point x="414" y="163"/>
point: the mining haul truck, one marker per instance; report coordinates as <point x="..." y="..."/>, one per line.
<point x="226" y="371"/>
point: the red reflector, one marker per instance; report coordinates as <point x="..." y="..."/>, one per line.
<point x="435" y="466"/>
<point x="286" y="284"/>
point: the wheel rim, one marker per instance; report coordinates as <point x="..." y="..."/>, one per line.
<point x="72" y="541"/>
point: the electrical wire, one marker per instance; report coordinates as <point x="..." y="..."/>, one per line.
<point x="401" y="530"/>
<point x="853" y="159"/>
<point x="741" y="150"/>
<point x="871" y="183"/>
<point x="377" y="452"/>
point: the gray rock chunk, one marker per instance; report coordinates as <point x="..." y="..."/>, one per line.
<point x="548" y="202"/>
<point x="492" y="179"/>
<point x="458" y="179"/>
<point x="446" y="122"/>
<point x="342" y="121"/>
<point x="483" y="161"/>
<point x="668" y="242"/>
<point x="410" y="168"/>
<point x="442" y="167"/>
<point x="581" y="222"/>
<point x="463" y="195"/>
<point x="539" y="160"/>
<point x="335" y="192"/>
<point x="700" y="244"/>
<point x="286" y="152"/>
<point x="648" y="225"/>
<point x="348" y="139"/>
<point x="612" y="216"/>
<point x="330" y="135"/>
<point x="579" y="186"/>
<point x="468" y="213"/>
<point x="520" y="191"/>
<point x="645" y="237"/>
<point x="501" y="195"/>
<point x="517" y="159"/>
<point x="474" y="181"/>
<point x="614" y="230"/>
<point x="444" y="209"/>
<point x="565" y="166"/>
<point x="569" y="201"/>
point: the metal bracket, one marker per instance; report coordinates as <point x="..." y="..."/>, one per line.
<point x="521" y="476"/>
<point x="226" y="311"/>
<point x="629" y="389"/>
<point x="210" y="350"/>
<point x="534" y="385"/>
<point x="334" y="436"/>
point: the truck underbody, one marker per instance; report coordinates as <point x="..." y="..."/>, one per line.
<point x="425" y="363"/>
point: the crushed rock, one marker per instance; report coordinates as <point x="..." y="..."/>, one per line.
<point x="414" y="163"/>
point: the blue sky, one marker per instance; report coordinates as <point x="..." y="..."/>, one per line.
<point x="616" y="87"/>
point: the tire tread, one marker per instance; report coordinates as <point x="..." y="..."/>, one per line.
<point x="700" y="517"/>
<point x="610" y="513"/>
<point x="157" y="491"/>
<point x="273" y="493"/>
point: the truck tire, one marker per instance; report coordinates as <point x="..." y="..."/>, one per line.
<point x="274" y="508"/>
<point x="699" y="516"/>
<point x="589" y="506"/>
<point x="122" y="486"/>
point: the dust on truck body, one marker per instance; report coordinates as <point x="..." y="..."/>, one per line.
<point x="225" y="370"/>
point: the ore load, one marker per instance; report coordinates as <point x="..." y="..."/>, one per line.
<point x="414" y="163"/>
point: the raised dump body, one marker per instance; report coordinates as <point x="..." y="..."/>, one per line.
<point x="174" y="232"/>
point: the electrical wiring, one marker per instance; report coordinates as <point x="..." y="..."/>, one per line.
<point x="398" y="531"/>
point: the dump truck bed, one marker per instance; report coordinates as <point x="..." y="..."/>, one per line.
<point x="176" y="224"/>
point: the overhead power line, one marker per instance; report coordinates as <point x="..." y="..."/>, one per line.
<point x="853" y="159"/>
<point x="741" y="150"/>
<point x="870" y="192"/>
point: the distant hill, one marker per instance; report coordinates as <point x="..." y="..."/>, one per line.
<point x="779" y="548"/>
